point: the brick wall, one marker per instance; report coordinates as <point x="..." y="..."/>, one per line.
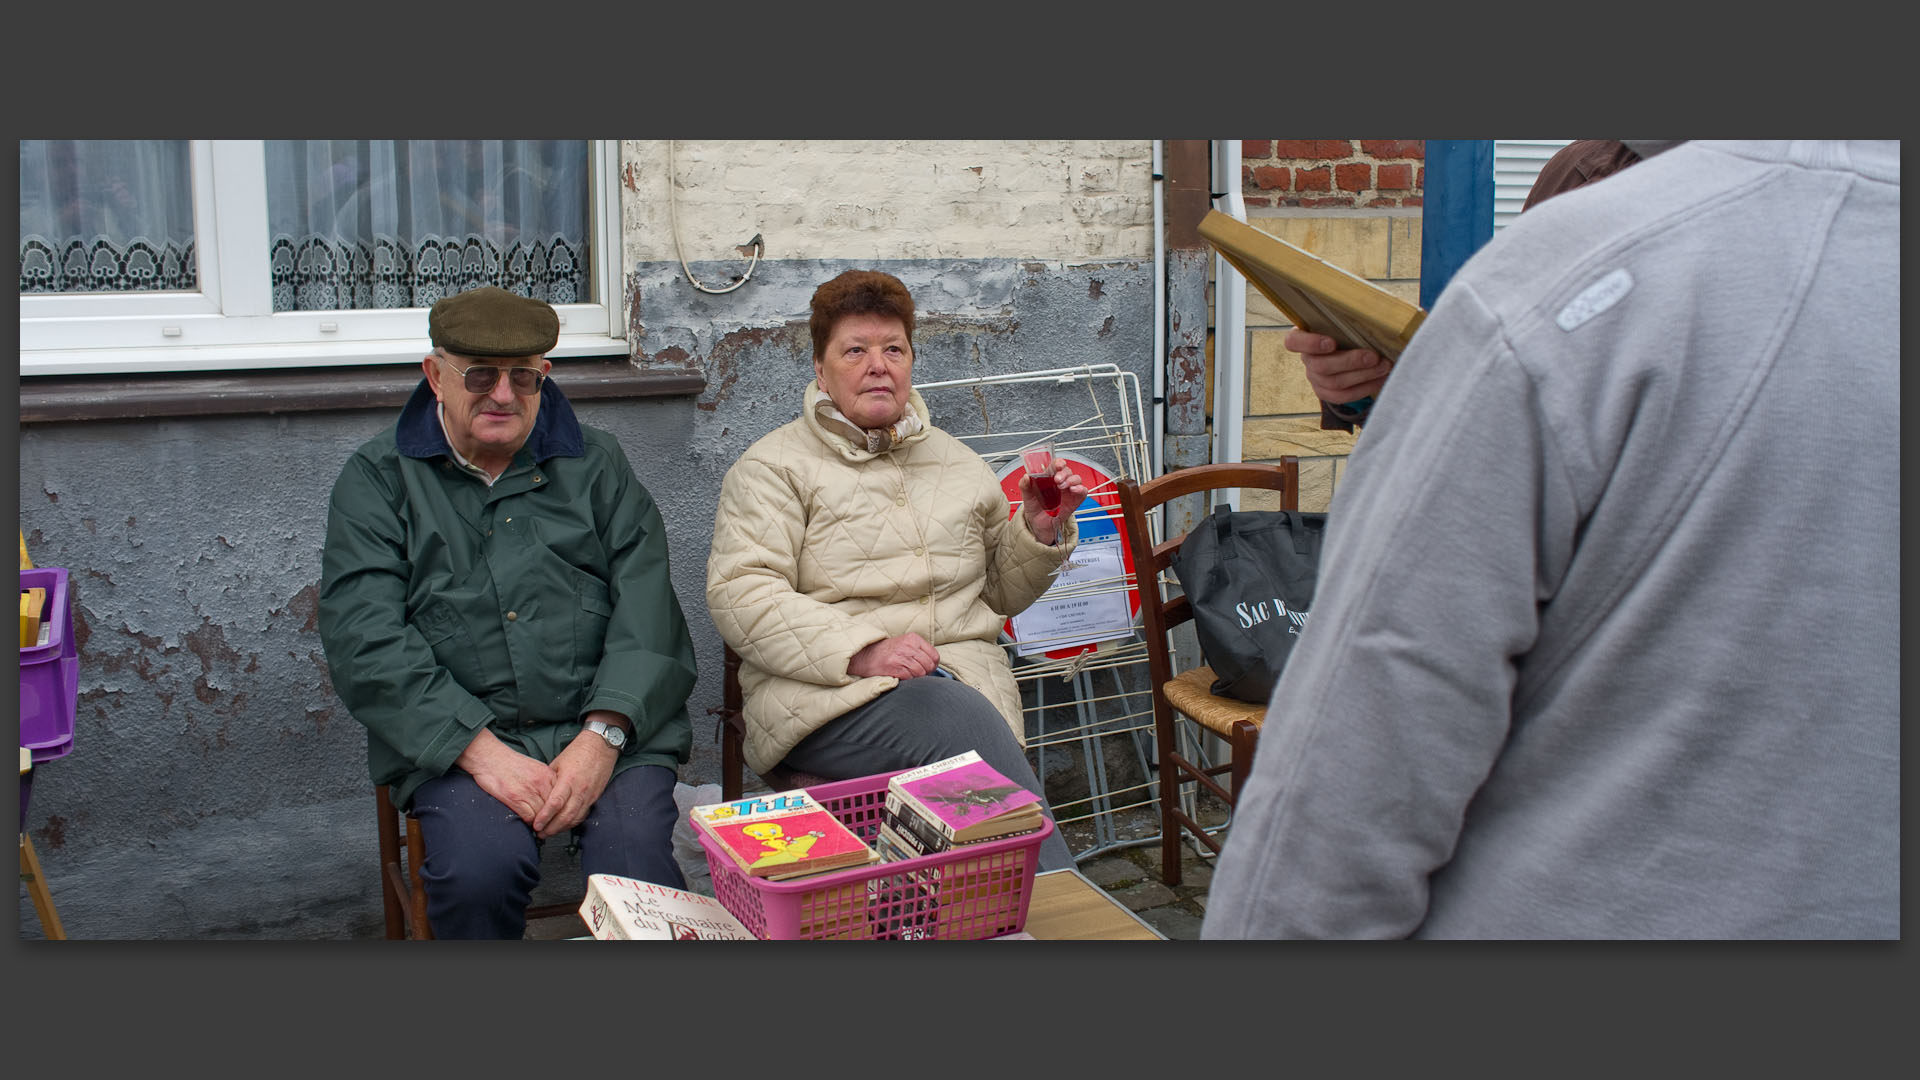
<point x="1319" y="174"/>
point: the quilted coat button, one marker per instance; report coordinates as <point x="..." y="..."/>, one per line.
<point x="923" y="600"/>
<point x="901" y="501"/>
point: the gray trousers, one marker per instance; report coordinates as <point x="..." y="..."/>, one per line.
<point x="916" y="723"/>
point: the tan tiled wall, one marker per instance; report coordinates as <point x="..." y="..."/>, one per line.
<point x="1283" y="416"/>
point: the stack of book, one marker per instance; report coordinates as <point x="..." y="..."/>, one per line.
<point x="624" y="909"/>
<point x="948" y="804"/>
<point x="784" y="835"/>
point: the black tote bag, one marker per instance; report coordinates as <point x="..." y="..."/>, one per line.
<point x="1249" y="575"/>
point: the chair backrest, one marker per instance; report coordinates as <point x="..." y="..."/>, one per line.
<point x="733" y="732"/>
<point x="1150" y="560"/>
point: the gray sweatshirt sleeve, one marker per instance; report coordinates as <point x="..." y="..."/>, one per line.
<point x="1397" y="700"/>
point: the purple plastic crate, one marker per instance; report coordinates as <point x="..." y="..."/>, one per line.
<point x="49" y="673"/>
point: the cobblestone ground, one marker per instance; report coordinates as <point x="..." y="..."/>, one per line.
<point x="1132" y="877"/>
<point x="1131" y="874"/>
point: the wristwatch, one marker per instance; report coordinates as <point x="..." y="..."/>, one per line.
<point x="616" y="737"/>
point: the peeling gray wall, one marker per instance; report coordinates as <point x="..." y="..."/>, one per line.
<point x="217" y="789"/>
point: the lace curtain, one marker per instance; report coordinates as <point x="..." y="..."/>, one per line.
<point x="387" y="224"/>
<point x="352" y="224"/>
<point x="106" y="216"/>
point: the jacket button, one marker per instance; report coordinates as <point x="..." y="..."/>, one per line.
<point x="923" y="600"/>
<point x="919" y="551"/>
<point x="901" y="501"/>
<point x="536" y="479"/>
<point x="513" y="616"/>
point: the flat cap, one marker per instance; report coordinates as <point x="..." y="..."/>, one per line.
<point x="490" y="321"/>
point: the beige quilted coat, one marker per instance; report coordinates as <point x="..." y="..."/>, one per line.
<point x="821" y="548"/>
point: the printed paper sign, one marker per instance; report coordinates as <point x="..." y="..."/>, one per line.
<point x="1086" y="603"/>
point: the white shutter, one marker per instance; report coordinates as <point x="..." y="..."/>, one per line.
<point x="1516" y="162"/>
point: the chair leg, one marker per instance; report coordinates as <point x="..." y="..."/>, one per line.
<point x="417" y="889"/>
<point x="36" y="882"/>
<point x="732" y="763"/>
<point x="389" y="830"/>
<point x="1245" y="739"/>
<point x="732" y="724"/>
<point x="1164" y="737"/>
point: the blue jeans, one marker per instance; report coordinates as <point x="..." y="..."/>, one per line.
<point x="916" y="723"/>
<point x="483" y="862"/>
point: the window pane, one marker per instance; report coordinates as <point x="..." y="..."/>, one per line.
<point x="106" y="216"/>
<point x="396" y="224"/>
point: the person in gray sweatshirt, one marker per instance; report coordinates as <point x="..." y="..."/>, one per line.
<point x="1606" y="638"/>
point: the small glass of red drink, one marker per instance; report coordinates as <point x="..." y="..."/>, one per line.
<point x="1039" y="461"/>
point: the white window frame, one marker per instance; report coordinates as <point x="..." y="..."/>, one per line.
<point x="229" y="323"/>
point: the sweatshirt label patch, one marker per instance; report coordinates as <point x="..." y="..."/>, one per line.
<point x="1594" y="299"/>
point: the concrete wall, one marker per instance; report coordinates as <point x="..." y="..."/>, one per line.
<point x="218" y="790"/>
<point x="1067" y="200"/>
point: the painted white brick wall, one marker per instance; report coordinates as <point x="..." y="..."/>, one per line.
<point x="1058" y="201"/>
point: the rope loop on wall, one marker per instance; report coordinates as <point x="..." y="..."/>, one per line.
<point x="673" y="213"/>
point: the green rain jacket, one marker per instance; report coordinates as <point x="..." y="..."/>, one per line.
<point x="447" y="606"/>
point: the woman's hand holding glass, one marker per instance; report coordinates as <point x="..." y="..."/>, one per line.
<point x="1044" y="523"/>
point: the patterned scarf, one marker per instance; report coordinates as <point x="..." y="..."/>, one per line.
<point x="876" y="440"/>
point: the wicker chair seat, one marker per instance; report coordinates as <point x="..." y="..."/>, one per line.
<point x="1191" y="693"/>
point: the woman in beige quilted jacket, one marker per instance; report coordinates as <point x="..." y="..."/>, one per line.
<point x="863" y="564"/>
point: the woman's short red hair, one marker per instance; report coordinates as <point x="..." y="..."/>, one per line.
<point x="858" y="292"/>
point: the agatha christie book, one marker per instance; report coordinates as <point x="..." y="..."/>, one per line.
<point x="624" y="909"/>
<point x="915" y="836"/>
<point x="965" y="799"/>
<point x="783" y="835"/>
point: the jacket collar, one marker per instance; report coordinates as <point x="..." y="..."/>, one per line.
<point x="841" y="444"/>
<point x="556" y="431"/>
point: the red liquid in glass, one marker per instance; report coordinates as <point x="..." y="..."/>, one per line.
<point x="1039" y="462"/>
<point x="1049" y="491"/>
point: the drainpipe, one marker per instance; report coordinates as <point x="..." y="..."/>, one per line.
<point x="1230" y="320"/>
<point x="1159" y="320"/>
<point x="1186" y="191"/>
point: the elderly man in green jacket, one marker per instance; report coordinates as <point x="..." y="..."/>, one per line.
<point x="496" y="609"/>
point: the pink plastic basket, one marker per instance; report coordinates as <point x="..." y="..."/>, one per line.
<point x="50" y="673"/>
<point x="980" y="891"/>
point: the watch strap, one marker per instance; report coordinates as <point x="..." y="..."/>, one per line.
<point x="616" y="736"/>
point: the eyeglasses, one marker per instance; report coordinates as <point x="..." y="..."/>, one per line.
<point x="481" y="378"/>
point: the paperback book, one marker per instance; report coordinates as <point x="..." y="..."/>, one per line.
<point x="915" y="836"/>
<point x="783" y="835"/>
<point x="1316" y="294"/>
<point x="625" y="909"/>
<point x="964" y="799"/>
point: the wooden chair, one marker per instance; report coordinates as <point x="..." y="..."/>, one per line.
<point x="34" y="878"/>
<point x="1189" y="692"/>
<point x="733" y="732"/>
<point x="401" y="889"/>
